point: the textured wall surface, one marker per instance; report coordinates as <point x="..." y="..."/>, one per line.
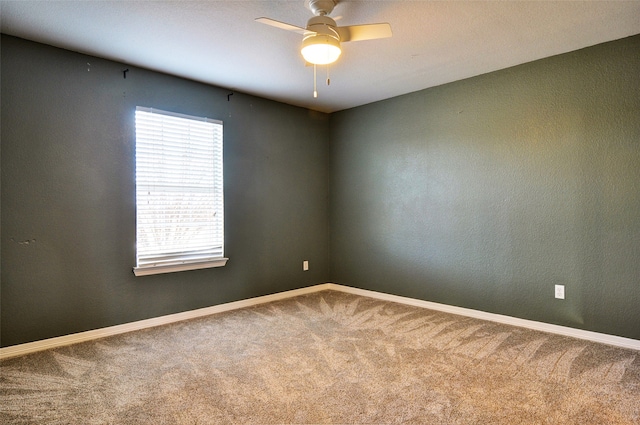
<point x="484" y="193"/>
<point x="68" y="194"/>
<point x="487" y="192"/>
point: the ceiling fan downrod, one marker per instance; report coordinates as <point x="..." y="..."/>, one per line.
<point x="321" y="7"/>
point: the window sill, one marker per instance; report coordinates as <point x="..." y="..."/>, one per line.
<point x="145" y="271"/>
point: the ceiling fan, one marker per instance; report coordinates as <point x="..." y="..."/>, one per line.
<point x="322" y="36"/>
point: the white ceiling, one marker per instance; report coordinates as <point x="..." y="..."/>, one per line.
<point x="218" y="42"/>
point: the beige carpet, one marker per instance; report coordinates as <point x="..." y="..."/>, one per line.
<point x="328" y="357"/>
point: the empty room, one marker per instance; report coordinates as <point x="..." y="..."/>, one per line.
<point x="304" y="212"/>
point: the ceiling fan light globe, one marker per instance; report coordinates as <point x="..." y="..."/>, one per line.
<point x="320" y="49"/>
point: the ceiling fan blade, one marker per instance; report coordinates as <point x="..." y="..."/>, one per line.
<point x="281" y="25"/>
<point x="364" y="32"/>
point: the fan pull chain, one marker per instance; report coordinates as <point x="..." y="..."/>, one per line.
<point x="328" y="79"/>
<point x="315" y="89"/>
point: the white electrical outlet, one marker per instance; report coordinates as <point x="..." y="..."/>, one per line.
<point x="560" y="292"/>
<point x="305" y="265"/>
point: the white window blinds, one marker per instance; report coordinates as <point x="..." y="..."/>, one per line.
<point x="179" y="192"/>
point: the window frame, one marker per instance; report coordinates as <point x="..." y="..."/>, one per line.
<point x="167" y="261"/>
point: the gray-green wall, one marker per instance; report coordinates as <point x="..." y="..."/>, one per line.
<point x="68" y="194"/>
<point x="483" y="193"/>
<point x="487" y="192"/>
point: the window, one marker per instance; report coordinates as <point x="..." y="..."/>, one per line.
<point x="179" y="192"/>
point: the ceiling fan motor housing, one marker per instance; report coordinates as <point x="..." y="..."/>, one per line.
<point x="323" y="25"/>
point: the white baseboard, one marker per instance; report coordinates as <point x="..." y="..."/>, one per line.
<point x="32" y="347"/>
<point x="617" y="341"/>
